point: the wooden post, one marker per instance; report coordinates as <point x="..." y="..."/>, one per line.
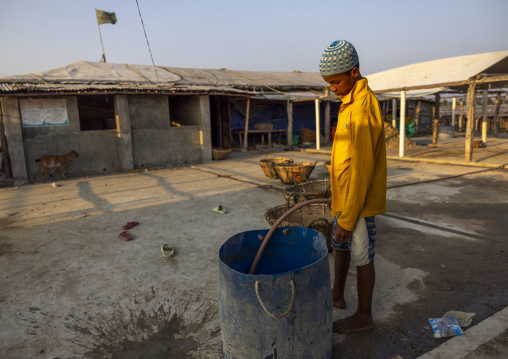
<point x="318" y="126"/>
<point x="496" y="115"/>
<point x="454" y="106"/>
<point x="246" y="133"/>
<point x="470" y="105"/>
<point x="327" y="122"/>
<point x="327" y="118"/>
<point x="435" y="128"/>
<point x="461" y="103"/>
<point x="289" y="107"/>
<point x="5" y="153"/>
<point x="394" y="113"/>
<point x="485" y="110"/>
<point x="417" y="115"/>
<point x="437" y="106"/>
<point x="402" y="125"/>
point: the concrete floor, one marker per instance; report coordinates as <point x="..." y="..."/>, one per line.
<point x="72" y="289"/>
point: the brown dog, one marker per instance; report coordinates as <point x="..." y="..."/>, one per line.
<point x="49" y="161"/>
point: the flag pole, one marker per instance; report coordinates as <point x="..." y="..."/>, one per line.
<point x="100" y="35"/>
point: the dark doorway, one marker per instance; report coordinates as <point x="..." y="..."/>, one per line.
<point x="220" y="121"/>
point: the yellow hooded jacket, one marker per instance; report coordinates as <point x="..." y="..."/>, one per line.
<point x="358" y="168"/>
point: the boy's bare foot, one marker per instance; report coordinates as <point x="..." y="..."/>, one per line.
<point x="339" y="303"/>
<point x="353" y="324"/>
<point x="338" y="300"/>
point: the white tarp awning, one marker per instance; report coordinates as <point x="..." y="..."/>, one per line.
<point x="437" y="72"/>
<point x="410" y="94"/>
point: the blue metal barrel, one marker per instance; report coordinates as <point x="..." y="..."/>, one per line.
<point x="284" y="309"/>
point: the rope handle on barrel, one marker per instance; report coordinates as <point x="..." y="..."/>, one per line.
<point x="290" y="304"/>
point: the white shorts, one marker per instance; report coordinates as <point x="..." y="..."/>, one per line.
<point x="363" y="242"/>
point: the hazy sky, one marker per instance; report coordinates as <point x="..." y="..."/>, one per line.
<point x="259" y="35"/>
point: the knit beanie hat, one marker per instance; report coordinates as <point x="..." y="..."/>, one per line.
<point x="338" y="58"/>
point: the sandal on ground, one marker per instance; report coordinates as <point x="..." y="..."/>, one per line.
<point x="125" y="235"/>
<point x="167" y="250"/>
<point x="129" y="225"/>
<point x="220" y="209"/>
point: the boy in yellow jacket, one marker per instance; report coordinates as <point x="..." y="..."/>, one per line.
<point x="358" y="180"/>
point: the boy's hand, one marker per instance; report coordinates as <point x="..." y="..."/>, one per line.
<point x="341" y="235"/>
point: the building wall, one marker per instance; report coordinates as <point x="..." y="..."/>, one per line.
<point x="98" y="150"/>
<point x="14" y="138"/>
<point x="154" y="141"/>
<point x="143" y="138"/>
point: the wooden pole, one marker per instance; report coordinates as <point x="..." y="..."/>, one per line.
<point x="394" y="113"/>
<point x="402" y="122"/>
<point x="435" y="128"/>
<point x="461" y="109"/>
<point x="327" y="122"/>
<point x="5" y="153"/>
<point x="454" y="106"/>
<point x="484" y="110"/>
<point x="246" y="132"/>
<point x="417" y="115"/>
<point x="318" y="126"/>
<point x="289" y="107"/>
<point x="437" y="106"/>
<point x="470" y="105"/>
<point x="496" y="115"/>
<point x="100" y="35"/>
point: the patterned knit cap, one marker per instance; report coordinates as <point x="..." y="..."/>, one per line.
<point x="338" y="58"/>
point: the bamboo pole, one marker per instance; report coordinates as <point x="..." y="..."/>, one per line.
<point x="100" y="35"/>
<point x="246" y="132"/>
<point x="289" y="107"/>
<point x="461" y="119"/>
<point x="437" y="106"/>
<point x="327" y="119"/>
<point x="471" y="102"/>
<point x="435" y="130"/>
<point x="318" y="126"/>
<point x="402" y="122"/>
<point x="417" y="115"/>
<point x="327" y="122"/>
<point x="484" y="110"/>
<point x="454" y="106"/>
<point x="496" y="115"/>
<point x="394" y="113"/>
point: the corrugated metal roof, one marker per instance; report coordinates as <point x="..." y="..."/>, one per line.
<point x="99" y="76"/>
<point x="84" y="75"/>
<point x="30" y="88"/>
<point x="452" y="69"/>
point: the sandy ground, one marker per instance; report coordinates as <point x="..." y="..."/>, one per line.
<point x="71" y="288"/>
